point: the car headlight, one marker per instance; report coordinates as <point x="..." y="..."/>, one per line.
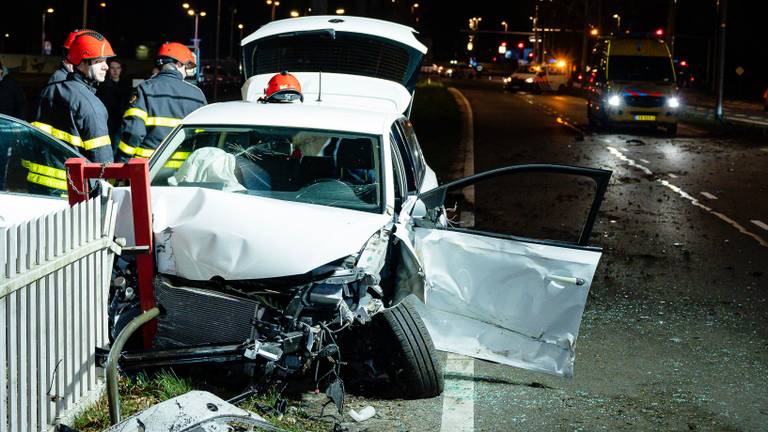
<point x="673" y="102"/>
<point x="529" y="80"/>
<point x="614" y="100"/>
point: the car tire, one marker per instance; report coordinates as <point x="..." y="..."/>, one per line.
<point x="417" y="370"/>
<point x="671" y="129"/>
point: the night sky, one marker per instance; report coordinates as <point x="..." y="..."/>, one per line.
<point x="128" y="23"/>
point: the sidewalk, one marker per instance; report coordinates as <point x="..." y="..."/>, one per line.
<point x="699" y="104"/>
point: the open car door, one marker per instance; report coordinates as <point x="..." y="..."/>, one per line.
<point x="501" y="297"/>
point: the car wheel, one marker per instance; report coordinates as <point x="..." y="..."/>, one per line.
<point x="671" y="129"/>
<point x="415" y="367"/>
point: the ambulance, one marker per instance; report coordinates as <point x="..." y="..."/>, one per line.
<point x="632" y="82"/>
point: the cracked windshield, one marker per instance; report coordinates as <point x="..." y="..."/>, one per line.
<point x="314" y="167"/>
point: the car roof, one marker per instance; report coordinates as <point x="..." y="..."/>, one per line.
<point x="369" y="26"/>
<point x="293" y="115"/>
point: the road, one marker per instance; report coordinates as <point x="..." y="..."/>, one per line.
<point x="674" y="336"/>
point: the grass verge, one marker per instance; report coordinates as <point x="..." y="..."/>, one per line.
<point x="435" y="117"/>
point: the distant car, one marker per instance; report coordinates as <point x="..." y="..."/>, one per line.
<point x="538" y="79"/>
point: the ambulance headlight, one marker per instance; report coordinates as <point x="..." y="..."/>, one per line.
<point x="673" y="102"/>
<point x="614" y="101"/>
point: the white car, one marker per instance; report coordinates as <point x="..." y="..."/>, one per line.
<point x="295" y="236"/>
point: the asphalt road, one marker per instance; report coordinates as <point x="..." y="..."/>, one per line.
<point x="674" y="336"/>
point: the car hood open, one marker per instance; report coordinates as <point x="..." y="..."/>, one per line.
<point x="201" y="233"/>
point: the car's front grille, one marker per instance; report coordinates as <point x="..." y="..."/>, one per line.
<point x="644" y="101"/>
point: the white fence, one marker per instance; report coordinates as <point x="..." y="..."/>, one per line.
<point x="54" y="283"/>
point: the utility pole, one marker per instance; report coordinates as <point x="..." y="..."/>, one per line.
<point x="671" y="14"/>
<point x="216" y="63"/>
<point x="536" y="34"/>
<point x="85" y="14"/>
<point x="722" y="7"/>
<point x="584" y="39"/>
<point x="232" y="32"/>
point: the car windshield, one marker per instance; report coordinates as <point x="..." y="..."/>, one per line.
<point x="336" y="169"/>
<point x="640" y="68"/>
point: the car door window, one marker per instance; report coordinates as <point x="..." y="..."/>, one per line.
<point x="31" y="162"/>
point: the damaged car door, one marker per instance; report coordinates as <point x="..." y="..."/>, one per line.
<point x="500" y="297"/>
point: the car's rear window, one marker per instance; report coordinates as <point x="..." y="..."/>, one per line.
<point x="317" y="167"/>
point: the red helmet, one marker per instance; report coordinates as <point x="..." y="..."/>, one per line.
<point x="89" y="45"/>
<point x="177" y="52"/>
<point x="74" y="34"/>
<point x="283" y="87"/>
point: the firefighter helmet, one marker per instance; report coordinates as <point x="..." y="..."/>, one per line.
<point x="72" y="35"/>
<point x="176" y="52"/>
<point x="283" y="87"/>
<point x="89" y="45"/>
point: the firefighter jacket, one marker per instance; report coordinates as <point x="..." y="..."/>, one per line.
<point x="70" y="111"/>
<point x="156" y="107"/>
<point x="60" y="74"/>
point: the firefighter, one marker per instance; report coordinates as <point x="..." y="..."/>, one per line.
<point x="282" y="87"/>
<point x="159" y="103"/>
<point x="66" y="67"/>
<point x="70" y="110"/>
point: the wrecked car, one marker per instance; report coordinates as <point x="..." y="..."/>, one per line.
<point x="297" y="237"/>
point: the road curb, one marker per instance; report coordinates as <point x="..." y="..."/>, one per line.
<point x="466" y="141"/>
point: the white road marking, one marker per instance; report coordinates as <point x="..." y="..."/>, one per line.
<point x="459" y="395"/>
<point x="693" y="200"/>
<point x="709" y="195"/>
<point x="644" y="161"/>
<point x="467" y="140"/>
<point x="761" y="224"/>
<point x="672" y="175"/>
<point x="621" y="156"/>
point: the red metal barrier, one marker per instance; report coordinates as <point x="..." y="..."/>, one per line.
<point x="137" y="172"/>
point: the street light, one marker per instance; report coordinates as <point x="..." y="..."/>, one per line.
<point x="504" y="23"/>
<point x="294" y="14"/>
<point x="340" y="11"/>
<point x="240" y="27"/>
<point x="42" y="45"/>
<point x="618" y="22"/>
<point x="274" y="4"/>
<point x="594" y="32"/>
<point x="196" y="40"/>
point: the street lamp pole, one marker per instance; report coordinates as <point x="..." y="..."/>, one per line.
<point x="618" y="23"/>
<point x="42" y="41"/>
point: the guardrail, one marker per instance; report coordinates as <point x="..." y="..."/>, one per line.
<point x="54" y="286"/>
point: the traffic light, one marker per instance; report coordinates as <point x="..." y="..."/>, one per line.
<point x="659" y="32"/>
<point x="520" y="45"/>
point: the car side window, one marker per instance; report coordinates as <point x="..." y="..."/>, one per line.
<point x="397" y="137"/>
<point x="30" y="161"/>
<point x="414" y="151"/>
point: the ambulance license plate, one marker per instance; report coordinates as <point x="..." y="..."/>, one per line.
<point x="645" y="117"/>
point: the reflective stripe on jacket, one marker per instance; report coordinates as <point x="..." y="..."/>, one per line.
<point x="70" y="111"/>
<point x="157" y="106"/>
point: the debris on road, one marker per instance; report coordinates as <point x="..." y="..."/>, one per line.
<point x="364" y="414"/>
